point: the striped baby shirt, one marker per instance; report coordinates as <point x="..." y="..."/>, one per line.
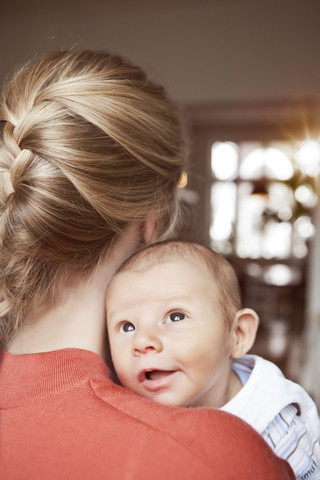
<point x="281" y="411"/>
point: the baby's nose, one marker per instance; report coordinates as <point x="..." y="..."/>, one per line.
<point x="143" y="344"/>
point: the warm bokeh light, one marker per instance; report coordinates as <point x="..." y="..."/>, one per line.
<point x="305" y="195"/>
<point x="260" y="199"/>
<point x="266" y="162"/>
<point x="224" y="160"/>
<point x="304" y="226"/>
<point x="223" y="205"/>
<point x="281" y="275"/>
<point x="308" y="157"/>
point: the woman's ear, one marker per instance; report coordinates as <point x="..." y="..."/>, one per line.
<point x="245" y="326"/>
<point x="149" y="231"/>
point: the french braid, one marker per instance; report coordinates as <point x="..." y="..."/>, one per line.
<point x="87" y="145"/>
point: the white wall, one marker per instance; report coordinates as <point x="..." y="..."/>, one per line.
<point x="203" y="50"/>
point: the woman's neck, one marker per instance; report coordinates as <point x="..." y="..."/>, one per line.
<point x="78" y="319"/>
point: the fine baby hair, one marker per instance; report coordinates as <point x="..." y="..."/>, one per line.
<point x="222" y="272"/>
<point x="88" y="144"/>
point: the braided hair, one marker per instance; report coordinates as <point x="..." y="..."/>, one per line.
<point x="88" y="144"/>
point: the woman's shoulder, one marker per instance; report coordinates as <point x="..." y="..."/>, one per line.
<point x="223" y="442"/>
<point x="64" y="405"/>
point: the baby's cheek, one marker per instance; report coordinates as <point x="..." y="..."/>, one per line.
<point x="122" y="365"/>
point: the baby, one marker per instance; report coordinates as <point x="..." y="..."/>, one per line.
<point x="179" y="336"/>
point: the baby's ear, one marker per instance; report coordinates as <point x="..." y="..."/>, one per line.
<point x="245" y="326"/>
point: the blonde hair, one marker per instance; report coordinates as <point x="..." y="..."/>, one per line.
<point x="87" y="144"/>
<point x="223" y="274"/>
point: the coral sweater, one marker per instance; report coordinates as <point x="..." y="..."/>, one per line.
<point x="61" y="417"/>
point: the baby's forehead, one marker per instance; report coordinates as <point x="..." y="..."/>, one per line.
<point x="154" y="264"/>
<point x="154" y="258"/>
<point x="169" y="268"/>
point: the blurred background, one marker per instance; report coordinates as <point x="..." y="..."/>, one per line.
<point x="247" y="76"/>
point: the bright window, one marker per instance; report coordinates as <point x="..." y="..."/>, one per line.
<point x="262" y="197"/>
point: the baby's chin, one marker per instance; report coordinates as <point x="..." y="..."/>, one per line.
<point x="166" y="400"/>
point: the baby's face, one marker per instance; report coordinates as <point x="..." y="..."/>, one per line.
<point x="169" y="341"/>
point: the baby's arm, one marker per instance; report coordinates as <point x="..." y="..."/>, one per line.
<point x="293" y="440"/>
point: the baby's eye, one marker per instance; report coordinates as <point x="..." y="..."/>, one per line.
<point x="127" y="327"/>
<point x="175" y="317"/>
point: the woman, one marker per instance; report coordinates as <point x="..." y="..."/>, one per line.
<point x="91" y="156"/>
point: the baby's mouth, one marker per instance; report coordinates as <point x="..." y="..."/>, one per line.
<point x="154" y="379"/>
<point x="158" y="374"/>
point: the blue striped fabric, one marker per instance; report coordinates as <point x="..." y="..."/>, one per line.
<point x="290" y="438"/>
